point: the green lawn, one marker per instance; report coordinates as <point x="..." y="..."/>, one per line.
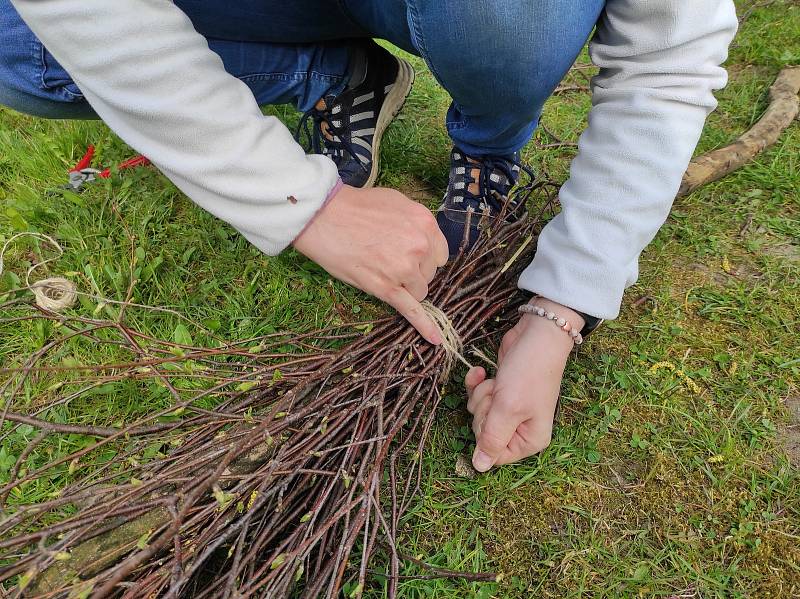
<point x="673" y="470"/>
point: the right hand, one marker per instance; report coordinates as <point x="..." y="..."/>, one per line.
<point x="383" y="243"/>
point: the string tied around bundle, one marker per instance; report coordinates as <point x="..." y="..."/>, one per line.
<point x="451" y="341"/>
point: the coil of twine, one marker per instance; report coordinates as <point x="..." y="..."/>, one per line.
<point x="53" y="293"/>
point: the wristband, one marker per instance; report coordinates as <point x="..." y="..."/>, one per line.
<point x="561" y="323"/>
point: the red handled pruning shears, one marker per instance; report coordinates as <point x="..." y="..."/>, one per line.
<point x="82" y="173"/>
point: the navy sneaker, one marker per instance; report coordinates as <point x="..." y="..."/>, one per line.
<point x="478" y="186"/>
<point x="348" y="127"/>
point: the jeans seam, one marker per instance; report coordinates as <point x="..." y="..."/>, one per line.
<point x="419" y="40"/>
<point x="290" y="77"/>
<point x="71" y="94"/>
<point x="39" y="55"/>
<point x="453" y="125"/>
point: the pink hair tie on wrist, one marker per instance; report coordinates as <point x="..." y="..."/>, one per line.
<point x="561" y="323"/>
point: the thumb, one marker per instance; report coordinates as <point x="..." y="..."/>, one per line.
<point x="496" y="432"/>
<point x="475" y="377"/>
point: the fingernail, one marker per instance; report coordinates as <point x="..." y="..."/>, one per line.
<point x="436" y="339"/>
<point x="482" y="461"/>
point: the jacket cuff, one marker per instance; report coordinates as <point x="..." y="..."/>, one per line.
<point x="597" y="293"/>
<point x="337" y="186"/>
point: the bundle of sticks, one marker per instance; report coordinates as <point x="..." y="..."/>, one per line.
<point x="286" y="487"/>
<point x="290" y="479"/>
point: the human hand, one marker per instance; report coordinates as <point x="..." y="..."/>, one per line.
<point x="383" y="243"/>
<point x="513" y="413"/>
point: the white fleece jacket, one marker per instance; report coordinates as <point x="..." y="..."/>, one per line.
<point x="152" y="78"/>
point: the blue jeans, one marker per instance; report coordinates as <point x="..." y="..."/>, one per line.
<point x="498" y="59"/>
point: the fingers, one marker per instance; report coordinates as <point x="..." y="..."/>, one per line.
<point x="440" y="252"/>
<point x="427" y="270"/>
<point x="481" y="409"/>
<point x="417" y="278"/>
<point x="504" y="435"/>
<point x="402" y="301"/>
<point x="532" y="437"/>
<point x="417" y="288"/>
<point x="479" y="392"/>
<point x="436" y="257"/>
<point x="475" y="377"/>
<point x="497" y="429"/>
<point x="430" y="254"/>
<point x="483" y="390"/>
<point x="425" y="222"/>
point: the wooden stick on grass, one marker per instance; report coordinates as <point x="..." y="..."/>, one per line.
<point x="783" y="108"/>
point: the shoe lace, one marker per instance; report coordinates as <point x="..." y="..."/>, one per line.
<point x="494" y="192"/>
<point x="311" y="124"/>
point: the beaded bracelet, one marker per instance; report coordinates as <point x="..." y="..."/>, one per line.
<point x="561" y="323"/>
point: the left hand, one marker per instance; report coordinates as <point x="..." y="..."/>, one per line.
<point x="513" y="413"/>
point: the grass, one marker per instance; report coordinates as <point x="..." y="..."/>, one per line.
<point x="673" y="470"/>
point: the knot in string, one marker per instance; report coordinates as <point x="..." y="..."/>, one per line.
<point x="451" y="341"/>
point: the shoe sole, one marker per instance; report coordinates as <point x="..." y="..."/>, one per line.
<point x="391" y="106"/>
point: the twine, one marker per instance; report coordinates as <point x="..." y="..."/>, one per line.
<point x="53" y="293"/>
<point x="57" y="293"/>
<point x="451" y="342"/>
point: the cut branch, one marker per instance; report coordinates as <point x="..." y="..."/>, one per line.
<point x="782" y="110"/>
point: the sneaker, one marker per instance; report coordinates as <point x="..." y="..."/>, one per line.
<point x="481" y="186"/>
<point x="348" y="127"/>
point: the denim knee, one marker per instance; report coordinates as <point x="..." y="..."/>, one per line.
<point x="31" y="80"/>
<point x="19" y="100"/>
<point x="501" y="55"/>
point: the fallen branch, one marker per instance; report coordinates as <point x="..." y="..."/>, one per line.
<point x="782" y="110"/>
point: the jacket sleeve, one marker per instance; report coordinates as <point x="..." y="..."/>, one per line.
<point x="152" y="78"/>
<point x="659" y="64"/>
